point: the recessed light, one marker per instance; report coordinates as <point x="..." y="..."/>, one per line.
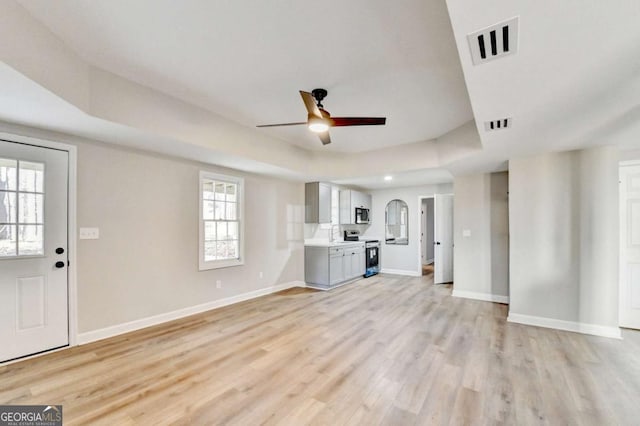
<point x="388" y="177"/>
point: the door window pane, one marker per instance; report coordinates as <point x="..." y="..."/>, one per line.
<point x="30" y="208"/>
<point x="8" y="174"/>
<point x="7" y="207"/>
<point x="30" y="240"/>
<point x="21" y="208"/>
<point x="31" y="176"/>
<point x="8" y="240"/>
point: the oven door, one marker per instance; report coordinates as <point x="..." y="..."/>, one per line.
<point x="372" y="256"/>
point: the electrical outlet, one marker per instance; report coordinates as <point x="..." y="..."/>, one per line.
<point x="89" y="233"/>
<point x="261" y="274"/>
<point x="466" y="233"/>
<point x="218" y="284"/>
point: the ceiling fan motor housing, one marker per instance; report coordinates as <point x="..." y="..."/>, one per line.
<point x="319" y="95"/>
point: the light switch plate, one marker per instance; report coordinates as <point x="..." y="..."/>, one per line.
<point x="466" y="233"/>
<point x="89" y="233"/>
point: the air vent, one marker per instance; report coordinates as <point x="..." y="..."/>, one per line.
<point x="494" y="42"/>
<point x="503" y="123"/>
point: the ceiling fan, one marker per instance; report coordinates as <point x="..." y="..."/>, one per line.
<point x="319" y="120"/>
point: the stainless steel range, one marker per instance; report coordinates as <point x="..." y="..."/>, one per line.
<point x="371" y="251"/>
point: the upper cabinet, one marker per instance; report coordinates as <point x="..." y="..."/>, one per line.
<point x="317" y="197"/>
<point x="349" y="200"/>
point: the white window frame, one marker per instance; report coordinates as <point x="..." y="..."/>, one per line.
<point x="215" y="264"/>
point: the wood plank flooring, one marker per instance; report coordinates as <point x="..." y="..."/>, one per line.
<point x="386" y="350"/>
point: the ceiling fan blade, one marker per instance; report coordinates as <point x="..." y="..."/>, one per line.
<point x="358" y="121"/>
<point x="310" y="104"/>
<point x="282" y="124"/>
<point x="325" y="138"/>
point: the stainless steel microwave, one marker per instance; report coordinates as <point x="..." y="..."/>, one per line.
<point x="362" y="215"/>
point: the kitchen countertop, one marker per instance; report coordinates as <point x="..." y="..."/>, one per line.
<point x="325" y="243"/>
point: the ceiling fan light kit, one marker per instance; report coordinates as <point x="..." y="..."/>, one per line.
<point x="320" y="121"/>
<point x="317" y="124"/>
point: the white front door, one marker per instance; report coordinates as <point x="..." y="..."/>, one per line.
<point x="630" y="246"/>
<point x="33" y="250"/>
<point x="443" y="239"/>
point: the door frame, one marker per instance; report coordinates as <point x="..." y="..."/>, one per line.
<point x="419" y="227"/>
<point x="72" y="287"/>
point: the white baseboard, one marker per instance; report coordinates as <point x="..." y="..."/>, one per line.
<point x="401" y="272"/>
<point x="487" y="297"/>
<point x="114" y="330"/>
<point x="576" y="327"/>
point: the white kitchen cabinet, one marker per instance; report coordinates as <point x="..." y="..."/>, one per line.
<point x="336" y="269"/>
<point x="362" y="261"/>
<point x="317" y="208"/>
<point x="349" y="200"/>
<point x="329" y="266"/>
<point x="355" y="258"/>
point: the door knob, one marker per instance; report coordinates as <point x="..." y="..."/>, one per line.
<point x="59" y="250"/>
<point x="59" y="264"/>
<point x="437" y="243"/>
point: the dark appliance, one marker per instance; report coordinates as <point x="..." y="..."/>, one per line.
<point x="372" y="257"/>
<point x="362" y="215"/>
<point x="351" y="235"/>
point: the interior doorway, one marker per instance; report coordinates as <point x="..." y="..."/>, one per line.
<point x="427" y="230"/>
<point x="629" y="290"/>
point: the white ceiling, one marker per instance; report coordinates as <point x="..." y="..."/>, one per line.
<point x="575" y="81"/>
<point x="246" y="60"/>
<point x="399" y="180"/>
<point x="26" y="104"/>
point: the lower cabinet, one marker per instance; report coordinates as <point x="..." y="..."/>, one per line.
<point x="336" y="269"/>
<point x="354" y="262"/>
<point x="327" y="267"/>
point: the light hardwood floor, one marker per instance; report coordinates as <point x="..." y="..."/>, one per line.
<point x="384" y="350"/>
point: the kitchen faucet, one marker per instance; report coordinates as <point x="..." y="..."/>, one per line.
<point x="331" y="232"/>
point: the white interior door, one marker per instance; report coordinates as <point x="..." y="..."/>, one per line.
<point x="443" y="239"/>
<point x="33" y="250"/>
<point x="630" y="246"/>
<point x="423" y="230"/>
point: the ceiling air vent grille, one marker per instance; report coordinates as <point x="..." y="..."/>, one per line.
<point x="503" y="123"/>
<point x="494" y="42"/>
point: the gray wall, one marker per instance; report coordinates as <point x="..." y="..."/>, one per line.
<point x="563" y="214"/>
<point x="146" y="260"/>
<point x="397" y="257"/>
<point x="482" y="259"/>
